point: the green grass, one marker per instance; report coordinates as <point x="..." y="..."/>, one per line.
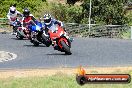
<point x="56" y="81"/>
<point x="126" y="35"/>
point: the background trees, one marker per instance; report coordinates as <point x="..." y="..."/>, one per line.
<point x="103" y="11"/>
<point x="72" y="1"/>
<point x="33" y="5"/>
<point x="106" y="11"/>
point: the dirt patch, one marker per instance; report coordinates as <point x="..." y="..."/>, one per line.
<point x="57" y="1"/>
<point x="69" y="71"/>
<point x="5" y="30"/>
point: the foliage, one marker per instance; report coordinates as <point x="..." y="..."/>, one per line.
<point x="108" y="11"/>
<point x="55" y="81"/>
<point x="72" y="1"/>
<point x="33" y="5"/>
<point x="126" y="34"/>
<point x="103" y="11"/>
<point x="129" y="15"/>
<point x="67" y="13"/>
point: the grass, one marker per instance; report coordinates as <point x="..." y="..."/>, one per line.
<point x="54" y="81"/>
<point x="126" y="35"/>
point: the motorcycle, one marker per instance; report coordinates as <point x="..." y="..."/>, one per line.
<point x="59" y="37"/>
<point x="22" y="32"/>
<point x="39" y="35"/>
<point x="16" y="24"/>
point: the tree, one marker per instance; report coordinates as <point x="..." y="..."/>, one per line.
<point x="21" y="4"/>
<point x="107" y="11"/>
<point x="72" y="1"/>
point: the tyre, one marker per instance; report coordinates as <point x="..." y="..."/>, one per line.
<point x="19" y="36"/>
<point x="48" y="44"/>
<point x="35" y="43"/>
<point x="66" y="48"/>
<point x="35" y="40"/>
<point x="46" y="41"/>
<point x="69" y="43"/>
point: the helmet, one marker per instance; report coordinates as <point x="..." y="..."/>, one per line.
<point x="12" y="10"/>
<point x="26" y="12"/>
<point x="47" y="19"/>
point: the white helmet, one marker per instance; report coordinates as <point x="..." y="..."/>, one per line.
<point x="12" y="10"/>
<point x="47" y="19"/>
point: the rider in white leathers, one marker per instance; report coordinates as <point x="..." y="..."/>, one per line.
<point x="12" y="15"/>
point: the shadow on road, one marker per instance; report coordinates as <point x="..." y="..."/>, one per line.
<point x="34" y="46"/>
<point x="15" y="38"/>
<point x="57" y="54"/>
<point x="18" y="39"/>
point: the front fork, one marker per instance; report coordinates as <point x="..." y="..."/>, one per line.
<point x="34" y="37"/>
<point x="14" y="29"/>
<point x="67" y="36"/>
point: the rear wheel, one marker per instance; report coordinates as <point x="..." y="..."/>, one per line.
<point x="66" y="48"/>
<point x="34" y="39"/>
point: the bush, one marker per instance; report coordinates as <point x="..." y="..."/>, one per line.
<point x="21" y="4"/>
<point x="107" y="11"/>
<point x="103" y="11"/>
<point x="67" y="13"/>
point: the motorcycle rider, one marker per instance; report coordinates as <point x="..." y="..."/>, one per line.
<point x="28" y="19"/>
<point x="12" y="16"/>
<point x="48" y="22"/>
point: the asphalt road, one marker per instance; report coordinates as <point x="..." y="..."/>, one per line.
<point x="86" y="52"/>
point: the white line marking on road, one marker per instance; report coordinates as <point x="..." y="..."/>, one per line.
<point x="7" y="56"/>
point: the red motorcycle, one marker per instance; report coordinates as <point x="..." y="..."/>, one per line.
<point x="58" y="36"/>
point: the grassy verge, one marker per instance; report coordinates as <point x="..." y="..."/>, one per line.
<point x="58" y="80"/>
<point x="126" y="35"/>
<point x="55" y="81"/>
<point x="6" y="30"/>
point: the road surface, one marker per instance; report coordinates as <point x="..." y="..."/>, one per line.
<point x="86" y="52"/>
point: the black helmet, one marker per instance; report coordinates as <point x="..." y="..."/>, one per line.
<point x="26" y="12"/>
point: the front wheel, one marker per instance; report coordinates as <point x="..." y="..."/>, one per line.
<point x="19" y="36"/>
<point x="66" y="48"/>
<point x="35" y="43"/>
<point x="46" y="41"/>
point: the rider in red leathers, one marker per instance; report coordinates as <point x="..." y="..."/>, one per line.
<point x="28" y="20"/>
